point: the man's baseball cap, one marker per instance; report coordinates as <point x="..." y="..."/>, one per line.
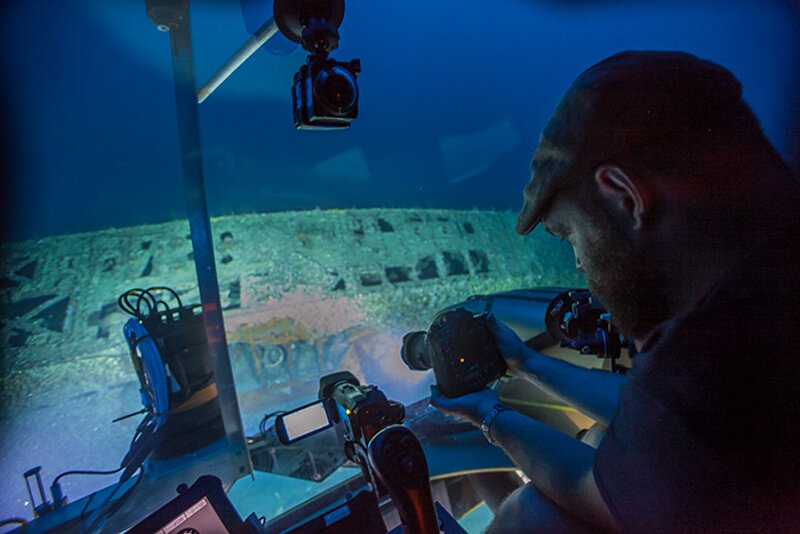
<point x="635" y="108"/>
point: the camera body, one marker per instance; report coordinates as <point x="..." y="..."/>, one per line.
<point x="460" y="349"/>
<point x="325" y="91"/>
<point x="325" y="94"/>
<point x="367" y="410"/>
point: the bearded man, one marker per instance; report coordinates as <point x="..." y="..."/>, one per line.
<point x="685" y="220"/>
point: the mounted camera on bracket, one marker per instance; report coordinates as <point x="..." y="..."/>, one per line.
<point x="325" y="91"/>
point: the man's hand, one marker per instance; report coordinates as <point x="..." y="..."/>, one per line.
<point x="516" y="354"/>
<point x="559" y="465"/>
<point x="590" y="391"/>
<point x="471" y="407"/>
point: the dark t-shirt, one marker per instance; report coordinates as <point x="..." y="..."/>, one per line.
<point x="707" y="431"/>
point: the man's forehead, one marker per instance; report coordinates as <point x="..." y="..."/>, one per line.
<point x="549" y="169"/>
<point x="547" y="152"/>
<point x="548" y="162"/>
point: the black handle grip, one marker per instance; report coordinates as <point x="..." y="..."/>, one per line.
<point x="398" y="461"/>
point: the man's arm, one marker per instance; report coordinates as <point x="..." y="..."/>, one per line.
<point x="558" y="465"/>
<point x="593" y="392"/>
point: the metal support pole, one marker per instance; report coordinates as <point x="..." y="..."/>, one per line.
<point x="264" y="34"/>
<point x="202" y="241"/>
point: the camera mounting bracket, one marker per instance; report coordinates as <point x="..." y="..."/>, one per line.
<point x="313" y="23"/>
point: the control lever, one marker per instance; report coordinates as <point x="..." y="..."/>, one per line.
<point x="398" y="461"/>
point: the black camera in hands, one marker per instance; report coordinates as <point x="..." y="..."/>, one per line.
<point x="459" y="348"/>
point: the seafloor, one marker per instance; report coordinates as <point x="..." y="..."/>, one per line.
<point x="304" y="293"/>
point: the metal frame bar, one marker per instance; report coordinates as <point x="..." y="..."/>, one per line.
<point x="262" y="35"/>
<point x="202" y="241"/>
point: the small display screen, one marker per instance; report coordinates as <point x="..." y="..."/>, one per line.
<point x="200" y="518"/>
<point x="305" y="421"/>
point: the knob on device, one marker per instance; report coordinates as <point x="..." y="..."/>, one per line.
<point x="398" y="461"/>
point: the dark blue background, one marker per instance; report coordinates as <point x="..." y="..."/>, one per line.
<point x="89" y="129"/>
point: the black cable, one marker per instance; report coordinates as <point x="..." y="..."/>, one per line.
<point x="167" y="309"/>
<point x="116" y="505"/>
<point x="121" y="303"/>
<point x="169" y="290"/>
<point x="148" y="299"/>
<point x="126" y="416"/>
<point x="148" y="439"/>
<point x="86" y="472"/>
<point x="262" y="425"/>
<point x="135" y="449"/>
<point x="124" y="302"/>
<point x="139" y="429"/>
<point x="153" y="302"/>
<point x="139" y="340"/>
<point x="135" y="292"/>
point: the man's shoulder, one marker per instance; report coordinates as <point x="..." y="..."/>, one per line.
<point x="734" y="350"/>
<point x="754" y="305"/>
<point x="714" y="390"/>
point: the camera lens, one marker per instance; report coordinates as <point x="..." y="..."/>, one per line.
<point x="415" y="351"/>
<point x="335" y="88"/>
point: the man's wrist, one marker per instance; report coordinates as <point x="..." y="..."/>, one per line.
<point x="488" y="419"/>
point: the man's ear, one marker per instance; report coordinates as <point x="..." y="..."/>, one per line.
<point x="618" y="188"/>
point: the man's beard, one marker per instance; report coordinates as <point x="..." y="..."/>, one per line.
<point x="625" y="282"/>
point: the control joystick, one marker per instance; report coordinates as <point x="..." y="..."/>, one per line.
<point x="398" y="462"/>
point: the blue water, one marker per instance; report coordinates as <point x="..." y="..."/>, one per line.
<point x="453" y="97"/>
<point x="454" y="94"/>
